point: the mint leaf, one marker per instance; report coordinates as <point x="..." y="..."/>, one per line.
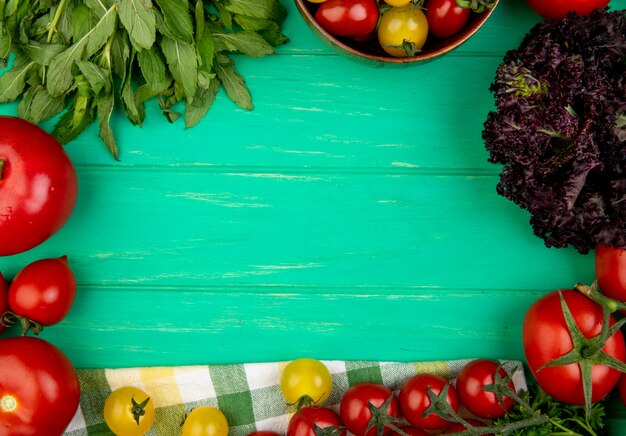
<point x="183" y="64"/>
<point x="60" y="73"/>
<point x="75" y="120"/>
<point x="205" y="50"/>
<point x="82" y="20"/>
<point x="177" y="20"/>
<point x="105" y="109"/>
<point x="12" y="82"/>
<point x="234" y="85"/>
<point x="137" y="17"/>
<point x="257" y="8"/>
<point x="38" y="105"/>
<point x="99" y="7"/>
<point x="153" y="68"/>
<point x="97" y="77"/>
<point x="5" y="44"/>
<point x="120" y="52"/>
<point x="43" y="54"/>
<point x="135" y="111"/>
<point x="207" y="90"/>
<point x="246" y="42"/>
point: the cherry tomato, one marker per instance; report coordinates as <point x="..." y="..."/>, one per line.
<point x="610" y="266"/>
<point x="43" y="291"/>
<point x="39" y="388"/>
<point x="4" y="298"/>
<point x="348" y="17"/>
<point x="414" y="400"/>
<point x="354" y="408"/>
<point x="621" y="389"/>
<point x="411" y="431"/>
<point x="560" y="8"/>
<point x="458" y="427"/>
<point x="128" y="411"/>
<point x="546" y="337"/>
<point x="401" y="27"/>
<point x="38" y="186"/>
<point x="205" y="421"/>
<point x="445" y="17"/>
<point x="306" y="381"/>
<point x="469" y="386"/>
<point x="304" y="421"/>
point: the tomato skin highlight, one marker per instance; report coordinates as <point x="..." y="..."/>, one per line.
<point x="610" y="269"/>
<point x="118" y="412"/>
<point x="354" y="408"/>
<point x="38" y="186"/>
<point x="4" y="298"/>
<point x="414" y="400"/>
<point x="559" y="8"/>
<point x="546" y="337"/>
<point x="303" y="422"/>
<point x="43" y="291"/>
<point x="39" y="388"/>
<point x="348" y="17"/>
<point x="445" y="17"/>
<point x="205" y="421"/>
<point x="469" y="387"/>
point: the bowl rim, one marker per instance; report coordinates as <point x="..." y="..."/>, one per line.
<point x="469" y="32"/>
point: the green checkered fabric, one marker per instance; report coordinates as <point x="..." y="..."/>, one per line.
<point x="249" y="395"/>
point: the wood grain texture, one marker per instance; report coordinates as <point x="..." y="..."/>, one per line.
<point x="351" y="215"/>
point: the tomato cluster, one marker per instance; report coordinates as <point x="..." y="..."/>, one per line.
<point x="401" y="27"/>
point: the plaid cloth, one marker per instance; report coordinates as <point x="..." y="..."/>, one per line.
<point x="249" y="395"/>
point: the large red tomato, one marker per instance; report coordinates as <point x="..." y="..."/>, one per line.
<point x="38" y="186"/>
<point x="43" y="291"/>
<point x="560" y="8"/>
<point x="547" y="337"/>
<point x="4" y="298"/>
<point x="39" y="388"/>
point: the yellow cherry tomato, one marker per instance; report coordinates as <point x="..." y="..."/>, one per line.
<point x="128" y="411"/>
<point x="306" y="381"/>
<point x="205" y="421"/>
<point x="403" y="31"/>
<point x="397" y="3"/>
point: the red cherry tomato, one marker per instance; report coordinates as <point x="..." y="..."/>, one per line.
<point x="546" y="337"/>
<point x="560" y="8"/>
<point x="38" y="186"/>
<point x="348" y="17"/>
<point x="303" y="422"/>
<point x="411" y="431"/>
<point x="414" y="400"/>
<point x="43" y="291"/>
<point x="4" y="298"/>
<point x="469" y="385"/>
<point x="354" y="409"/>
<point x="445" y="17"/>
<point x="458" y="427"/>
<point x="610" y="266"/>
<point x="39" y="388"/>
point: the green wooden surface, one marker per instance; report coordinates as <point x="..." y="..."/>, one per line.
<point x="351" y="215"/>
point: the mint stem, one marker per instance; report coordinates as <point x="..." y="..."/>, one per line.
<point x="55" y="20"/>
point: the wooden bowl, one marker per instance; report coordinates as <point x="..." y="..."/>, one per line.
<point x="372" y="51"/>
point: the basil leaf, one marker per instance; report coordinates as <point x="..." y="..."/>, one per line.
<point x="38" y="105"/>
<point x="246" y="42"/>
<point x="97" y="77"/>
<point x="177" y="20"/>
<point x="5" y="44"/>
<point x="234" y="85"/>
<point x="197" y="109"/>
<point x="183" y="64"/>
<point x="42" y="53"/>
<point x="137" y="17"/>
<point x="60" y="73"/>
<point x="12" y="82"/>
<point x="105" y="109"/>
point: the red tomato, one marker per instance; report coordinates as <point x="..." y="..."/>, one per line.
<point x="39" y="389"/>
<point x="304" y="421"/>
<point x="411" y="431"/>
<point x="445" y="17"/>
<point x="546" y="337"/>
<point x="4" y="298"/>
<point x="610" y="265"/>
<point x="348" y="17"/>
<point x="469" y="385"/>
<point x="38" y="186"/>
<point x="414" y="400"/>
<point x="621" y="389"/>
<point x="355" y="412"/>
<point x="43" y="291"/>
<point x="458" y="427"/>
<point x="560" y="8"/>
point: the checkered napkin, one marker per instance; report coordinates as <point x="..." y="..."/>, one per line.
<point x="249" y="395"/>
